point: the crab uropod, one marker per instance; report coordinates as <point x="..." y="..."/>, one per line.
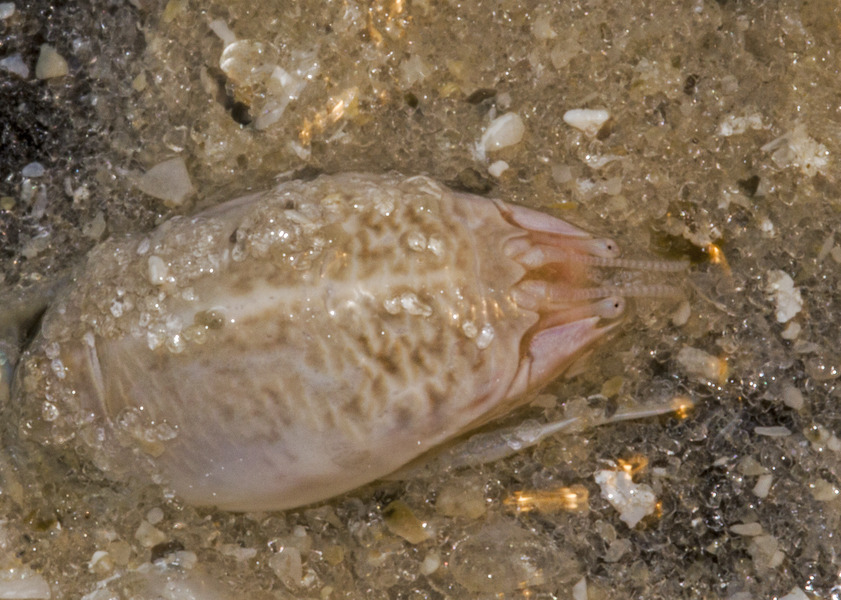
<point x="288" y="346"/>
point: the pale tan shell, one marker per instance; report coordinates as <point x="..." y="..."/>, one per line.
<point x="288" y="346"/>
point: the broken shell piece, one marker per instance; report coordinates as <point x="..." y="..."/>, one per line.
<point x="168" y="181"/>
<point x="502" y="132"/>
<point x="781" y="290"/>
<point x="633" y="501"/>
<point x="587" y="120"/>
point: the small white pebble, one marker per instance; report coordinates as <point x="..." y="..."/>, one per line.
<point x="702" y="365"/>
<point x="14" y="64"/>
<point x="633" y="501"/>
<point x="747" y="529"/>
<point x="781" y="290"/>
<point x="772" y="431"/>
<point x="733" y="125"/>
<point x="168" y="181"/>
<point x="430" y="563"/>
<point x="498" y="168"/>
<point x="587" y="120"/>
<point x="157" y="270"/>
<point x="681" y="315"/>
<point x="792" y="397"/>
<point x="792" y="331"/>
<point x="763" y="485"/>
<point x="155" y="515"/>
<point x="148" y="535"/>
<point x="502" y="132"/>
<point x="766" y="226"/>
<point x="561" y="173"/>
<point x="222" y="31"/>
<point x="33" y="169"/>
<point x="143" y="246"/>
<point x="50" y="63"/>
<point x="7" y="9"/>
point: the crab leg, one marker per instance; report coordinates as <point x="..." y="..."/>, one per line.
<point x="494" y="445"/>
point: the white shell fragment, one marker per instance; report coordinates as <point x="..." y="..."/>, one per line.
<point x="634" y="501"/>
<point x="221" y="29"/>
<point x="14" y="64"/>
<point x="733" y="125"/>
<point x="700" y="364"/>
<point x="781" y="290"/>
<point x="763" y="485"/>
<point x="797" y="148"/>
<point x="157" y="270"/>
<point x="775" y="431"/>
<point x="497" y="168"/>
<point x="747" y="529"/>
<point x="168" y="181"/>
<point x="253" y="64"/>
<point x="23" y="584"/>
<point x="50" y="63"/>
<point x="588" y="120"/>
<point x="502" y="132"/>
<point x="7" y="9"/>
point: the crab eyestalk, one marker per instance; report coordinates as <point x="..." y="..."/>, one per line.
<point x="559" y="260"/>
